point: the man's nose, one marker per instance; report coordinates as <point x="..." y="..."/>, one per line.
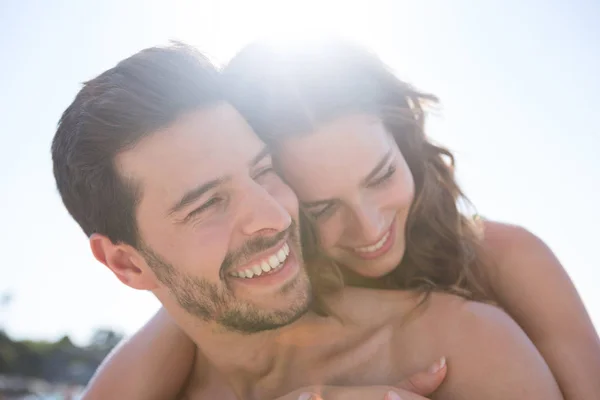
<point x="261" y="212"/>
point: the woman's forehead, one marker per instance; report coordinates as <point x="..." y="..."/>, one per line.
<point x="345" y="149"/>
<point x="351" y="135"/>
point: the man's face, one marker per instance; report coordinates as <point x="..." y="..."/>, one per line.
<point x="217" y="225"/>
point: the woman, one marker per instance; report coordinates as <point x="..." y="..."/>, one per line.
<point x="381" y="202"/>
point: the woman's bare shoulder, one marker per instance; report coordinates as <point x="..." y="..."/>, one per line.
<point x="505" y="241"/>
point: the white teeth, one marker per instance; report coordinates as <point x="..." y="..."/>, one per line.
<point x="281" y="255"/>
<point x="265" y="266"/>
<point x="273" y="262"/>
<point x="375" y="247"/>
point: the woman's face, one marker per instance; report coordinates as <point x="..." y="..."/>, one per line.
<point x="352" y="178"/>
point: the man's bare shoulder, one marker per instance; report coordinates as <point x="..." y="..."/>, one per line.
<point x="476" y="338"/>
<point x="469" y="318"/>
<point x="402" y="306"/>
<point x="451" y="308"/>
<point x="441" y="316"/>
<point x="422" y="327"/>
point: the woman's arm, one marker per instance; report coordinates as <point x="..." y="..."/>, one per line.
<point x="415" y="387"/>
<point x="533" y="287"/>
<point x="156" y="363"/>
<point x="153" y="364"/>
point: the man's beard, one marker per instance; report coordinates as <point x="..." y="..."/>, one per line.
<point x="212" y="302"/>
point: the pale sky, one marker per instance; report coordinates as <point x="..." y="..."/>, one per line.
<point x="518" y="81"/>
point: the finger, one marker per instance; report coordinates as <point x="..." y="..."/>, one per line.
<point x="402" y="395"/>
<point x="391" y="395"/>
<point x="309" y="396"/>
<point x="426" y="382"/>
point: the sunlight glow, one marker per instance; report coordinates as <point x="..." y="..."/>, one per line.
<point x="234" y="23"/>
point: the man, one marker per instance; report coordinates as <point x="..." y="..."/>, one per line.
<point x="178" y="196"/>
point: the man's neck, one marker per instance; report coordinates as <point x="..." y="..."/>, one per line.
<point x="259" y="364"/>
<point x="245" y="359"/>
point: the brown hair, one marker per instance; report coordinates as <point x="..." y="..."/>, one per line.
<point x="291" y="90"/>
<point x="111" y="113"/>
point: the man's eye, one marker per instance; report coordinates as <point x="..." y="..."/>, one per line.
<point x="210" y="203"/>
<point x="264" y="171"/>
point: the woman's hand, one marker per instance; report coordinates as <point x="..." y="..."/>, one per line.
<point x="413" y="388"/>
<point x="363" y="393"/>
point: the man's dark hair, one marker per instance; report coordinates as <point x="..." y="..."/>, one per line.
<point x="111" y="113"/>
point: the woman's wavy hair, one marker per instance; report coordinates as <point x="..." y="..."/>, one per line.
<point x="292" y="89"/>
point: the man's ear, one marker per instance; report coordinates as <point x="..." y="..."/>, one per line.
<point x="124" y="261"/>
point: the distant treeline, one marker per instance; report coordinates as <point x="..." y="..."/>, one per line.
<point x="55" y="362"/>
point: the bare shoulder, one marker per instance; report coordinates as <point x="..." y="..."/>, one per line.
<point x="489" y="355"/>
<point x="477" y="320"/>
<point x="516" y="259"/>
<point x="507" y="241"/>
<point x="417" y="310"/>
<point x="533" y="286"/>
<point x="482" y="341"/>
<point x="465" y="323"/>
<point x="452" y="316"/>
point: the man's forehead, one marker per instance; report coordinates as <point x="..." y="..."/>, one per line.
<point x="201" y="145"/>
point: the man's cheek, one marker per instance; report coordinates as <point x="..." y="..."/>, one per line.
<point x="209" y="249"/>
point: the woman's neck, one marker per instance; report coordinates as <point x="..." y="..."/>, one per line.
<point x="351" y="278"/>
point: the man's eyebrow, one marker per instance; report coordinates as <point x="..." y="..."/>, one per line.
<point x="378" y="167"/>
<point x="258" y="158"/>
<point x="197" y="192"/>
<point x="194" y="194"/>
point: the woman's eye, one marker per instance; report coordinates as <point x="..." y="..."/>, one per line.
<point x="384" y="178"/>
<point x="322" y="212"/>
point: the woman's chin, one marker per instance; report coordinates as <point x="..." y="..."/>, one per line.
<point x="373" y="272"/>
<point x="373" y="269"/>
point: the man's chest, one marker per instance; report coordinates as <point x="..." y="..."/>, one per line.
<point x="353" y="361"/>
